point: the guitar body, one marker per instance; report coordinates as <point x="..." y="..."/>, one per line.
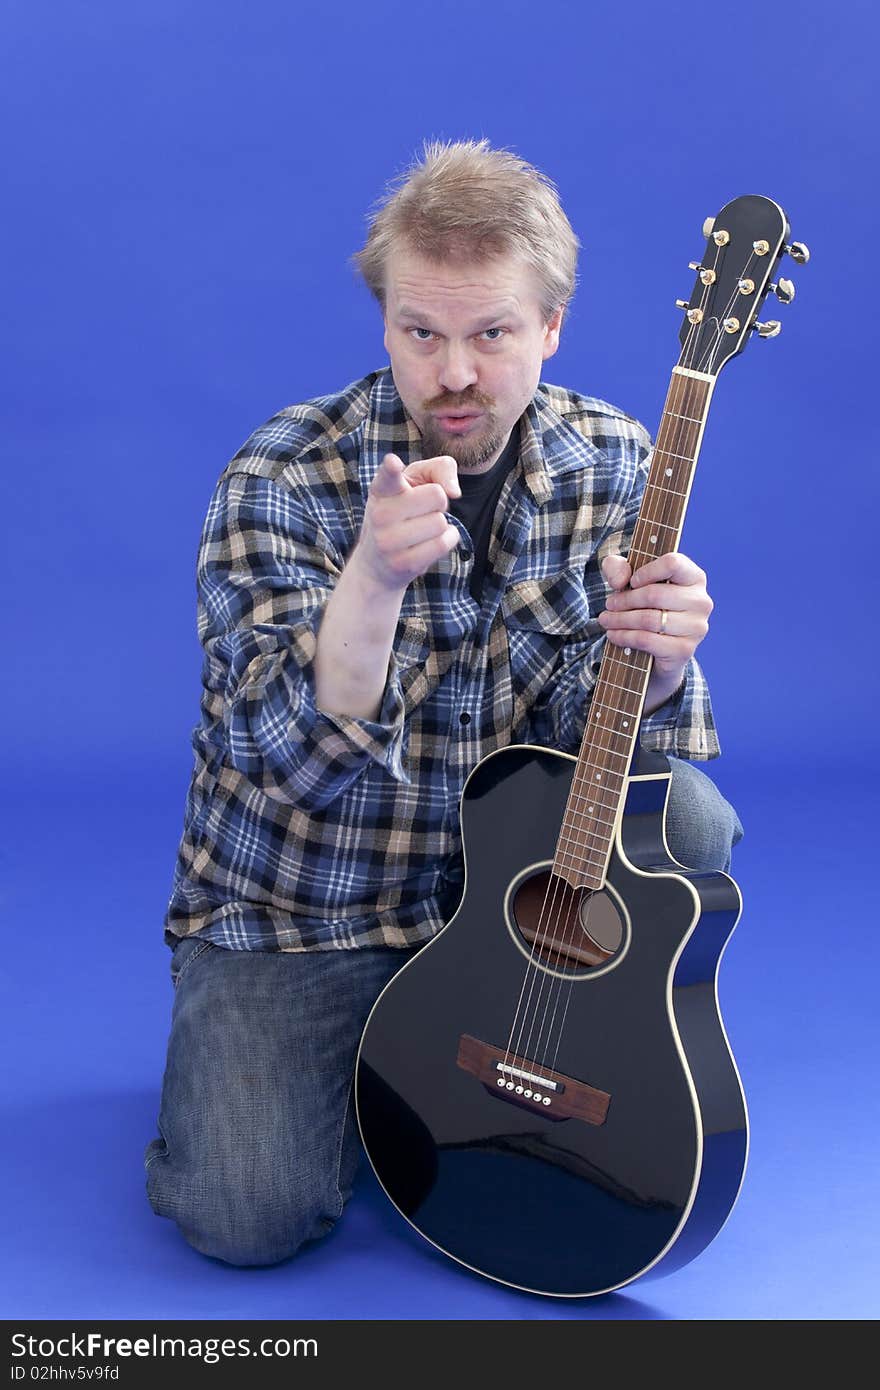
<point x="643" y="1176"/>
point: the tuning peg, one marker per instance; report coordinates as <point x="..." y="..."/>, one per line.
<point x="784" y="291"/>
<point x="799" y="252"/>
<point x="770" y="329"/>
<point x="707" y="227"/>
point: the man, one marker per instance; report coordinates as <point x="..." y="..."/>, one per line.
<point x="394" y="581"/>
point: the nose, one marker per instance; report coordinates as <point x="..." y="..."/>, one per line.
<point x="457" y="368"/>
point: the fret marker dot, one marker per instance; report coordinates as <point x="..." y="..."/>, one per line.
<point x="653" y="540"/>
<point x="627" y="651"/>
<point x="669" y="472"/>
<point x="626" y="723"/>
<point x="598" y="777"/>
<point x="591" y="808"/>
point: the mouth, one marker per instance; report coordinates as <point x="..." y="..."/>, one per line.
<point x="456" y="421"/>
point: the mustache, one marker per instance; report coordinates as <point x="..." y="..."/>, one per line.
<point x="469" y="403"/>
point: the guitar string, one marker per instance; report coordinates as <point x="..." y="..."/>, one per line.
<point x="726" y="313"/>
<point x="690" y="450"/>
<point x="679" y="446"/>
<point x="680" y="401"/>
<point x="539" y="946"/>
<point x="564" y="938"/>
<point x="674" y="432"/>
<point x="713" y="348"/>
<point x="695" y="328"/>
<point x="574" y="918"/>
<point x="569" y="927"/>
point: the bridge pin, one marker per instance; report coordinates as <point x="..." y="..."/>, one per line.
<point x="501" y="1081"/>
<point x="527" y="1094"/>
<point x="536" y="1096"/>
<point x="547" y="1100"/>
<point x="510" y="1085"/>
<point x="519" y="1090"/>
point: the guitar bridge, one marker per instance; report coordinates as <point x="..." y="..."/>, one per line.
<point x="520" y="1081"/>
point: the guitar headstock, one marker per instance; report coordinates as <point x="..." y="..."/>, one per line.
<point x="744" y="245"/>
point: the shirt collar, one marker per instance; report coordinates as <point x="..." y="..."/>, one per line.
<point x="550" y="445"/>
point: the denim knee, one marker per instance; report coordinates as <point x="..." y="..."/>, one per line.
<point x="256" y="1153"/>
<point x="219" y="1216"/>
<point x="701" y="826"/>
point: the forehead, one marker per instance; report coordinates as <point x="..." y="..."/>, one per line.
<point x="413" y="281"/>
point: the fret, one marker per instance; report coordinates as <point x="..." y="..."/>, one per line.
<point x="671" y="524"/>
<point x="649" y="523"/>
<point x="580" y="857"/>
<point x="594" y="801"/>
<point x="601" y="820"/>
<point x="612" y="753"/>
<point x="656" y="543"/>
<point x="581" y="828"/>
<point x="669" y="454"/>
<point x="613" y="709"/>
<point x="586" y="840"/>
<point x="693" y="419"/>
<point x="626" y="751"/>
<point x="585" y="859"/>
<point x="585" y="870"/>
<point x="602" y="829"/>
<point x="582" y="835"/>
<point x="675" y="432"/>
<point x="577" y="819"/>
<point x="595" y="780"/>
<point x="661" y="487"/>
<point x="625" y="688"/>
<point x="592" y="787"/>
<point x="647" y="555"/>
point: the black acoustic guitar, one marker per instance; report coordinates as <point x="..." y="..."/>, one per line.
<point x="546" y="1090"/>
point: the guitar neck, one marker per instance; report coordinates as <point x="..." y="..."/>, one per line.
<point x="599" y="782"/>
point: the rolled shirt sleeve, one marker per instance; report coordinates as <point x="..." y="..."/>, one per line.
<point x="265" y="571"/>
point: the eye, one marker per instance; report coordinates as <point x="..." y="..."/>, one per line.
<point x="500" y="331"/>
<point x="422" y="330"/>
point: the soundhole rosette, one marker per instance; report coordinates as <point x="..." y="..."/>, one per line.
<point x="570" y="933"/>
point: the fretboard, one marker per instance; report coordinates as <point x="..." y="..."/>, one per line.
<point x="599" y="783"/>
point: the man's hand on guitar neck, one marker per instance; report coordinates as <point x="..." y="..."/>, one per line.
<point x="662" y="609"/>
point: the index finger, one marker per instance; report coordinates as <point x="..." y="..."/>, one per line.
<point x="388" y="479"/>
<point x="672" y="566"/>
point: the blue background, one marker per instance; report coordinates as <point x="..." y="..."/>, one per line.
<point x="186" y="183"/>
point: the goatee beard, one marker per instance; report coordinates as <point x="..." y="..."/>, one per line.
<point x="469" y="454"/>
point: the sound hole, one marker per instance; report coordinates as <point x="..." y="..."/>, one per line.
<point x="570" y="929"/>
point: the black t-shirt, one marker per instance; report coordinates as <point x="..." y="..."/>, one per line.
<point x="475" y="508"/>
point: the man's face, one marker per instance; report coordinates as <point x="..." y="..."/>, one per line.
<point x="465" y="340"/>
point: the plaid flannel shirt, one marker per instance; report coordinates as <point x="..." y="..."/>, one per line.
<point x="307" y="830"/>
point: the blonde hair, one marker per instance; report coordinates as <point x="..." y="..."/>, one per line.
<point x="466" y="201"/>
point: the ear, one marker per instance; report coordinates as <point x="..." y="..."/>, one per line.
<point x="552" y="330"/>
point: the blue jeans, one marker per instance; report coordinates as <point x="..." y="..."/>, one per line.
<point x="259" y="1144"/>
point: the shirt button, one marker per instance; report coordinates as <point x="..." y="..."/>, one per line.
<point x="464" y="719"/>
